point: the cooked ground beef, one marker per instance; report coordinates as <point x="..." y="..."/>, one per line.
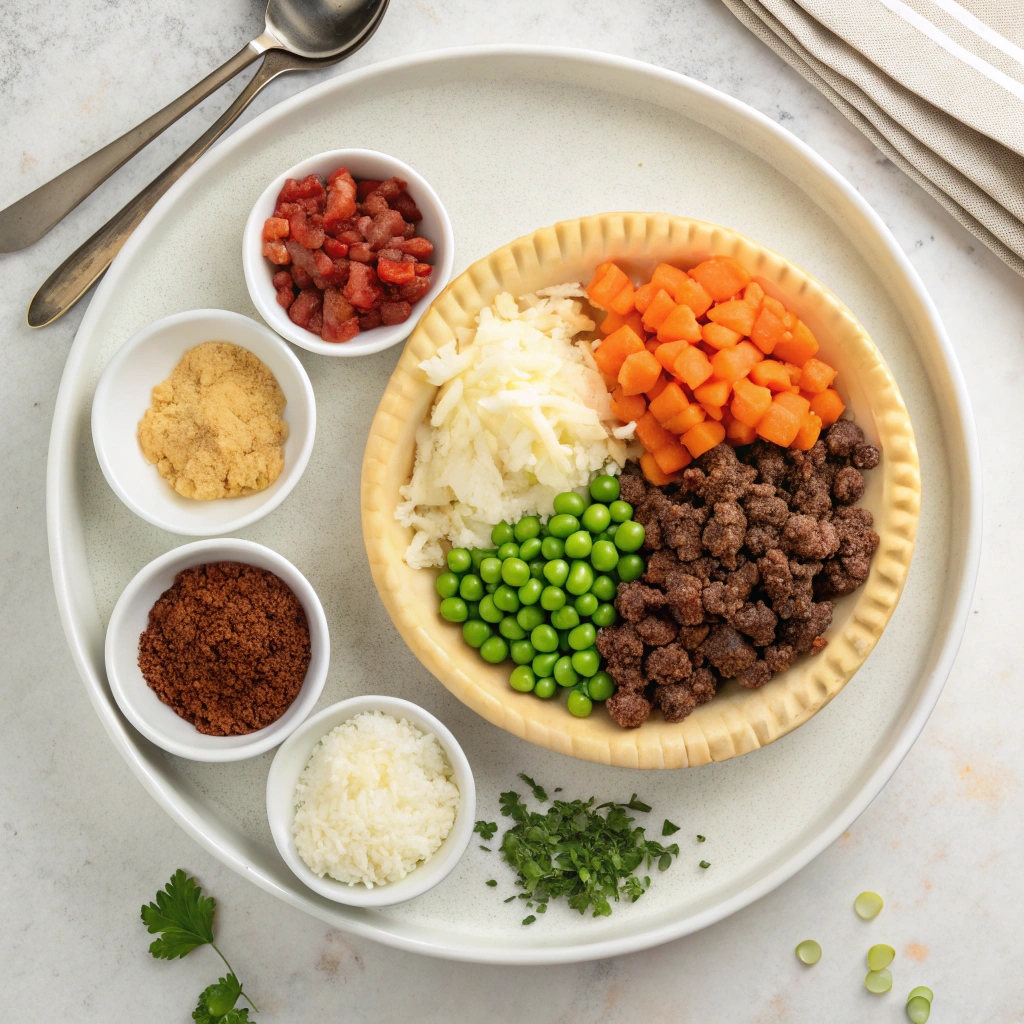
<point x="745" y="556"/>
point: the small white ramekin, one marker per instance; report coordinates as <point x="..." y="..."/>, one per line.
<point x="124" y="393"/>
<point x="362" y="164"/>
<point x="141" y="706"/>
<point x="293" y="756"/>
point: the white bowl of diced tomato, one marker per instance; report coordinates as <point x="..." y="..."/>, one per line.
<point x="345" y="250"/>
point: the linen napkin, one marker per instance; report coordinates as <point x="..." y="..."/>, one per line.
<point x="937" y="85"/>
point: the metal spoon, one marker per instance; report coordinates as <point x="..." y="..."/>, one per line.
<point x="315" y="29"/>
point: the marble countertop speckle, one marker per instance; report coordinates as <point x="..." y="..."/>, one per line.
<point x="82" y="845"/>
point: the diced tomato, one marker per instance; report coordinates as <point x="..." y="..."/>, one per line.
<point x="397" y="273"/>
<point x="335" y="249"/>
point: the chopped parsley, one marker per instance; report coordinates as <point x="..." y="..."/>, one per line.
<point x="538" y="791"/>
<point x="704" y="864"/>
<point x="487" y="829"/>
<point x="669" y="828"/>
<point x="701" y="839"/>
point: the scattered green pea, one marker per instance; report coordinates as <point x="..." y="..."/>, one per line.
<point x="454" y="609"/>
<point x="522" y="652"/>
<point x="604" y="556"/>
<point x="922" y="991"/>
<point x="808" y="952"/>
<point x="526" y="529"/>
<point x="556" y="572"/>
<point x="600" y="686"/>
<point x="530" y="617"/>
<point x="530" y="591"/>
<point x="564" y="673"/>
<point x="603" y="588"/>
<point x="494" y="649"/>
<point x="552" y="548"/>
<point x="522" y="679"/>
<point x="515" y="572"/>
<point x="502" y="534"/>
<point x="578" y="544"/>
<point x="620" y="511"/>
<point x="510" y="629"/>
<point x="471" y="587"/>
<point x="919" y="1009"/>
<point x="582" y="637"/>
<point x="569" y="503"/>
<point x="459" y="560"/>
<point x="585" y="605"/>
<point x="604" y="615"/>
<point x="545" y="638"/>
<point x="447" y="584"/>
<point x="475" y="632"/>
<point x="868" y="905"/>
<point x="477" y="555"/>
<point x="880" y="956"/>
<point x="552" y="598"/>
<point x="545" y="688"/>
<point x="489" y="611"/>
<point x="581" y="578"/>
<point x="509" y="550"/>
<point x="596" y="518"/>
<point x="630" y="567"/>
<point x="579" y="704"/>
<point x="565" y="617"/>
<point x="506" y="599"/>
<point x="629" y="536"/>
<point x="530" y="548"/>
<point x="490" y="570"/>
<point x="604" y="488"/>
<point x="544" y="664"/>
<point x="878" y="981"/>
<point x="586" y="661"/>
<point x="490" y="588"/>
<point x="563" y="526"/>
<point x="537" y="569"/>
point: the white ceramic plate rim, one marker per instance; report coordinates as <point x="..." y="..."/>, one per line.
<point x="292" y="472"/>
<point x="421" y="879"/>
<point x="64" y="555"/>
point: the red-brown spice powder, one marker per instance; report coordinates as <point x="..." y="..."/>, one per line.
<point x="227" y="647"/>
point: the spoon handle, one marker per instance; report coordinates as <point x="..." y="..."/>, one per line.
<point x="27" y="220"/>
<point x="69" y="282"/>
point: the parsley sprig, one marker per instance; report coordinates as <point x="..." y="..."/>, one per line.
<point x="183" y="917"/>
<point x="575" y="852"/>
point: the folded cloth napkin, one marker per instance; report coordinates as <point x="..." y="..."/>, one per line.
<point x="937" y="85"/>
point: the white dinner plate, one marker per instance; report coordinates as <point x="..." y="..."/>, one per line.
<point x="514" y="138"/>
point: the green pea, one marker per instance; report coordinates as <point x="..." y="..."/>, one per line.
<point x="569" y="503"/>
<point x="562" y="526"/>
<point x="878" y="981"/>
<point x="605" y="615"/>
<point x="544" y="638"/>
<point x="506" y="599"/>
<point x="544" y="664"/>
<point x="471" y="588"/>
<point x="578" y="545"/>
<point x="490" y="570"/>
<point x="611" y="531"/>
<point x="868" y="905"/>
<point x="620" y="511"/>
<point x="808" y="952"/>
<point x="630" y="536"/>
<point x="490" y="588"/>
<point x="527" y="528"/>
<point x="552" y="548"/>
<point x="603" y="535"/>
<point x="502" y="534"/>
<point x="919" y="1009"/>
<point x="564" y="673"/>
<point x="581" y="577"/>
<point x="537" y="568"/>
<point x="522" y="652"/>
<point x="530" y="548"/>
<point x="604" y="588"/>
<point x="630" y="567"/>
<point x="880" y="956"/>
<point x="510" y="629"/>
<point x="604" y="556"/>
<point x="530" y="591"/>
<point x="478" y="555"/>
<point x="586" y="662"/>
<point x="596" y="518"/>
<point x="475" y="632"/>
<point x="522" y="679"/>
<point x="454" y="609"/>
<point x="565" y="618"/>
<point x="556" y="572"/>
<point x="563" y="641"/>
<point x="582" y="637"/>
<point x="530" y="617"/>
<point x="459" y="560"/>
<point x="494" y="649"/>
<point x="515" y="572"/>
<point x="489" y="611"/>
<point x="545" y="688"/>
<point x="604" y="488"/>
<point x="585" y="605"/>
<point x="509" y="550"/>
<point x="579" y="704"/>
<point x="447" y="584"/>
<point x="552" y="598"/>
<point x="600" y="686"/>
<point x="474" y="609"/>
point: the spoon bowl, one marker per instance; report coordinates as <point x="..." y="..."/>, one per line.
<point x="322" y="28"/>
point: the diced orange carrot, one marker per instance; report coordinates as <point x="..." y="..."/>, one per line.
<point x="639" y="373"/>
<point x="652" y="471"/>
<point x="737" y="433"/>
<point x="716" y="412"/>
<point x="691" y="293"/>
<point x="733" y="363"/>
<point x="794" y="372"/>
<point x="768" y="329"/>
<point x="651" y="434"/>
<point x="816" y="376"/>
<point x="753" y="294"/>
<point x="721" y="277"/>
<point x="774" y="307"/>
<point x="643" y="296"/>
<point x="750" y="402"/>
<point x="794" y="403"/>
<point x="810" y="428"/>
<point x="612" y="352"/>
<point x="606" y="284"/>
<point x="779" y="425"/>
<point x="692" y="415"/>
<point x="669" y="403"/>
<point x="628" y="408"/>
<point x="668" y="353"/>
<point x="668" y="277"/>
<point x="703" y="437"/>
<point x="719" y="337"/>
<point x="737" y="315"/>
<point x="622" y="301"/>
<point x="613" y="321"/>
<point x="660" y="307"/>
<point x="659" y="385"/>
<point x="679" y="325"/>
<point x="672" y="458"/>
<point x="754" y="354"/>
<point x="828" y="406"/>
<point x="692" y="366"/>
<point x="799" y="348"/>
<point x="770" y="373"/>
<point x="713" y="392"/>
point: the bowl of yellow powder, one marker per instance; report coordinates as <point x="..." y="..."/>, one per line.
<point x="203" y="422"/>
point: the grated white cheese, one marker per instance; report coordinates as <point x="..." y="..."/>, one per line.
<point x="375" y="800"/>
<point x="522" y="414"/>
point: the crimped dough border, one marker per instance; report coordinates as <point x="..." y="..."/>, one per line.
<point x="737" y="720"/>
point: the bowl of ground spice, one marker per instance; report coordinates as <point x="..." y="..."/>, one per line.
<point x="203" y="422"/>
<point x="217" y="650"/>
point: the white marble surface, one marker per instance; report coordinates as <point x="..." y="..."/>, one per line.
<point x="81" y="845"/>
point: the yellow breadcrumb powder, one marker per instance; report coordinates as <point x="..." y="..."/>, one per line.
<point x="215" y="429"/>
